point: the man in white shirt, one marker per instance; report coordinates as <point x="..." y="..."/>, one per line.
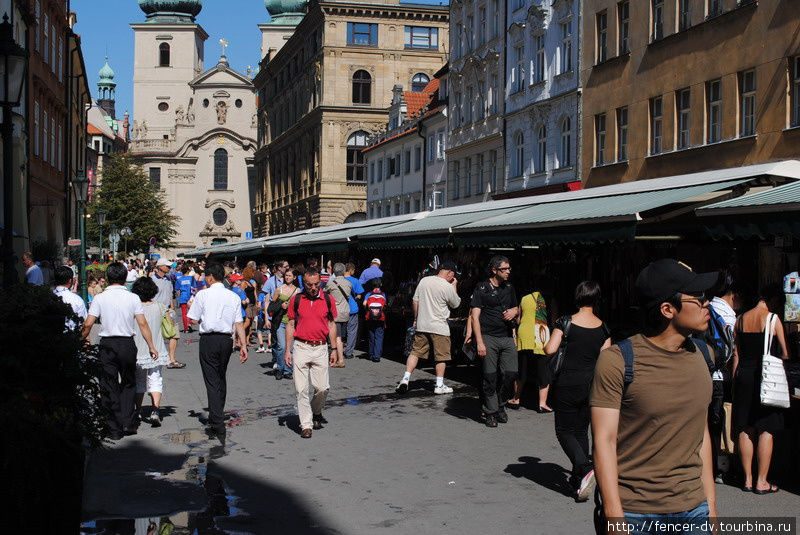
<point x="132" y="276"/>
<point x="433" y="299"/>
<point x="119" y="311"/>
<point x="218" y="311"/>
<point x="64" y="278"/>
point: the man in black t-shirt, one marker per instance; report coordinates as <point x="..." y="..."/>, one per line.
<point x="492" y="321"/>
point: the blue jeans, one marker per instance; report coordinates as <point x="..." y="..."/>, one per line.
<point x="375" y="331"/>
<point x="644" y="523"/>
<point x="279" y="351"/>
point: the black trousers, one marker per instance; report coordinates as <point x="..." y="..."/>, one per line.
<point x="500" y="359"/>
<point x="118" y="383"/>
<point x="572" y="418"/>
<point x="716" y="421"/>
<point x="215" y="353"/>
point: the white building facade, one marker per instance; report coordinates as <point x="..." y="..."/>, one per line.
<point x="542" y="94"/>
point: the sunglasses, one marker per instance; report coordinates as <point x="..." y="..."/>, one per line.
<point x="699" y="299"/>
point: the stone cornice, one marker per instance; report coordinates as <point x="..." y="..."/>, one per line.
<point x="398" y="11"/>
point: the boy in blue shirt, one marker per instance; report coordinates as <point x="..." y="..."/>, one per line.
<point x="183" y="286"/>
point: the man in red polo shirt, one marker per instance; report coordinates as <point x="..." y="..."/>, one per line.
<point x="308" y="334"/>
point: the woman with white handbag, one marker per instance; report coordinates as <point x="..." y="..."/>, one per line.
<point x="759" y="393"/>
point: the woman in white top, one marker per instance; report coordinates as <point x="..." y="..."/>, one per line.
<point x="148" y="369"/>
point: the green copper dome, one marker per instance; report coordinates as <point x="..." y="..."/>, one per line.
<point x="286" y="12"/>
<point x="106" y="74"/>
<point x="171" y="11"/>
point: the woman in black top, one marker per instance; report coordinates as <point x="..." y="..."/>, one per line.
<point x="753" y="422"/>
<point x="586" y="336"/>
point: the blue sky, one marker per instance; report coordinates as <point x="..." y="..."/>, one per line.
<point x="104" y="27"/>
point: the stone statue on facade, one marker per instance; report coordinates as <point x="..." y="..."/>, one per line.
<point x="190" y="113"/>
<point x="143" y="129"/>
<point x="254" y="121"/>
<point x="180" y="115"/>
<point x="222" y="113"/>
<point x="135" y="131"/>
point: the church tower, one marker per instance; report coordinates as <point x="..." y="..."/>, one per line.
<point x="106" y="90"/>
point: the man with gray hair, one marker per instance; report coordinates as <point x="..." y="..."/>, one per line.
<point x="165" y="296"/>
<point x="341" y="290"/>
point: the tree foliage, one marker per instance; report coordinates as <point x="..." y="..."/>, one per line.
<point x="131" y="200"/>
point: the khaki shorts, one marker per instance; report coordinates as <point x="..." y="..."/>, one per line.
<point x="424" y="343"/>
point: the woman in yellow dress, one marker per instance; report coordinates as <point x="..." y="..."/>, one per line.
<point x="532" y="336"/>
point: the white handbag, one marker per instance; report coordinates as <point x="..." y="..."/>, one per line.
<point x="774" y="386"/>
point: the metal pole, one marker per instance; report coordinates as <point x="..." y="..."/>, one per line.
<point x="82" y="225"/>
<point x="101" y="243"/>
<point x="9" y="261"/>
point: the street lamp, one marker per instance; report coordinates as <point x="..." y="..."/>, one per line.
<point x="81" y="185"/>
<point x="13" y="63"/>
<point x="125" y="233"/>
<point x="101" y="220"/>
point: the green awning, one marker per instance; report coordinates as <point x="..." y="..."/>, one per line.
<point x="779" y="199"/>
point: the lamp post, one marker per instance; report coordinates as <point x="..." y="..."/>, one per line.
<point x="125" y="233"/>
<point x="13" y="63"/>
<point x="101" y="220"/>
<point x="81" y="185"/>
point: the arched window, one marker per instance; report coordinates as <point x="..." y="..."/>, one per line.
<point x="220" y="217"/>
<point x="565" y="155"/>
<point x="419" y="81"/>
<point x="163" y="55"/>
<point x="356" y="166"/>
<point x="221" y="169"/>
<point x="519" y="155"/>
<point x="362" y="85"/>
<point x="541" y="149"/>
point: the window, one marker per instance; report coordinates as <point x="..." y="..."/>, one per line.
<point x="519" y="69"/>
<point x="53" y="140"/>
<point x="45" y="137"/>
<point x="390" y="168"/>
<point x="493" y="170"/>
<point x="685" y="14"/>
<point x="408" y="162"/>
<point x="496" y="19"/>
<point x="52" y="48"/>
<point x="155" y="177"/>
<point x="362" y="85"/>
<point x="519" y="4"/>
<point x="656" y="123"/>
<point x="747" y="103"/>
<point x="163" y="55"/>
<point x="714" y="111"/>
<point x="220" y="217"/>
<point x="417" y="158"/>
<point x="407" y="207"/>
<point x="371" y="172"/>
<point x="459" y="37"/>
<point x="658" y="20"/>
<point x="60" y="149"/>
<point x="481" y="26"/>
<point x="565" y="58"/>
<point x="238" y="103"/>
<point x="495" y="89"/>
<point x="481" y="178"/>
<point x="714" y="8"/>
<point x="397" y="164"/>
<point x="565" y="154"/>
<point x="469" y="31"/>
<point x="468" y="105"/>
<point x="60" y="59"/>
<point x="541" y="150"/>
<point x="602" y="37"/>
<point x="624" y="16"/>
<point x="431" y="148"/>
<point x="163" y="106"/>
<point x="600" y="139"/>
<point x="37" y="35"/>
<point x="440" y="146"/>
<point x="468" y="178"/>
<point x="456" y="180"/>
<point x="205" y="103"/>
<point x="519" y="155"/>
<point x="380" y="170"/>
<point x="795" y="90"/>
<point x="421" y="37"/>
<point x="622" y="134"/>
<point x="458" y="114"/>
<point x="46" y="38"/>
<point x="539" y="73"/>
<point x="355" y="158"/>
<point x="419" y="81"/>
<point x="683" y="109"/>
<point x="220" y="169"/>
<point x="36" y="128"/>
<point x="481" y="99"/>
<point x="362" y="34"/>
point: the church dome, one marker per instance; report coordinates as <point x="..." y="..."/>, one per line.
<point x="180" y="9"/>
<point x="106" y="73"/>
<point x="286" y="11"/>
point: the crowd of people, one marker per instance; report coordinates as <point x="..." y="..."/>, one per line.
<point x="698" y="349"/>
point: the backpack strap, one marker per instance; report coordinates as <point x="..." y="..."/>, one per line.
<point x="703" y="347"/>
<point x="626" y="348"/>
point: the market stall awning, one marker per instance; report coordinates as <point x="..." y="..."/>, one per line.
<point x="782" y="198"/>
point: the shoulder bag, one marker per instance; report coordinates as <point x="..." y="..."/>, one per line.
<point x="774" y="386"/>
<point x="168" y="328"/>
<point x="556" y="362"/>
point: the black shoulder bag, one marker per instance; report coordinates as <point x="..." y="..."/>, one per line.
<point x="556" y="362"/>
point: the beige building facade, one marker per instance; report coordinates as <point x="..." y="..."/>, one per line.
<point x="323" y="94"/>
<point x="673" y="87"/>
<point x="194" y="130"/>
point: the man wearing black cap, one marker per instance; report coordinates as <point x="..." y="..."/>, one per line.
<point x="652" y="450"/>
<point x="434" y="297"/>
<point x="493" y="312"/>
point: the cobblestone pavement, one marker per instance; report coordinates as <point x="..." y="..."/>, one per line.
<point x="383" y="464"/>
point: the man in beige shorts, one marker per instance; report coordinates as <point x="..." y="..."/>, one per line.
<point x="433" y="299"/>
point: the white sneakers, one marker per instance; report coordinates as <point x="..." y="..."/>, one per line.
<point x="402" y="387"/>
<point x="587" y="486"/>
<point x="261" y="349"/>
<point x="444" y="389"/>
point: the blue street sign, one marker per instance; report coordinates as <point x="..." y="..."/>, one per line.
<point x="248" y="235"/>
<point x="155" y="256"/>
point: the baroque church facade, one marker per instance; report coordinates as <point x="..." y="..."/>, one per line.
<point x="194" y="129"/>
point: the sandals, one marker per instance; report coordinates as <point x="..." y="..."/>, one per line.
<point x="771" y="490"/>
<point x="176" y="364"/>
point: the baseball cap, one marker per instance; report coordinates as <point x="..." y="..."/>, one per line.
<point x="376" y="261"/>
<point x="663" y="278"/>
<point x="450" y="266"/>
<point x="235" y="277"/>
<point x="163" y="262"/>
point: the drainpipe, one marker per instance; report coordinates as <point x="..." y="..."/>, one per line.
<point x="424" y="166"/>
<point x="67" y="147"/>
<point x="579" y="101"/>
<point x="504" y="78"/>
